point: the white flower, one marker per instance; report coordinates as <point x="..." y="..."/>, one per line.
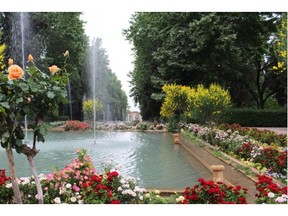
<point x="156" y="191"/>
<point x="271" y="195"/>
<point x="147" y="195"/>
<point x="80" y="202"/>
<point x="119" y="189"/>
<point x="68" y="185"/>
<point x="73" y="199"/>
<point x="62" y="191"/>
<point x="180" y="199"/>
<point x="57" y="200"/>
<point x="9" y="185"/>
<point x="284" y="196"/>
<point x="141" y="197"/>
<point x="279" y="199"/>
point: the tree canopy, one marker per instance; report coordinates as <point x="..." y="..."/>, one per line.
<point x="234" y="50"/>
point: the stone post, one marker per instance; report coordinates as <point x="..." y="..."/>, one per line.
<point x="218" y="173"/>
<point x="176" y="138"/>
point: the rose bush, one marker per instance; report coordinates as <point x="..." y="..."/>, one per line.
<point x="269" y="192"/>
<point x="264" y="157"/>
<point x="76" y="125"/>
<point x="209" y="192"/>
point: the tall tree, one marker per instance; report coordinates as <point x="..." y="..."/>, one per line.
<point x="108" y="89"/>
<point x="49" y="35"/>
<point x="231" y="49"/>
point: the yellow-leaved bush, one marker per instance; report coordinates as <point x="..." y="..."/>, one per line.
<point x="209" y="103"/>
<point x="177" y="100"/>
<point x="200" y="103"/>
<point x="89" y="110"/>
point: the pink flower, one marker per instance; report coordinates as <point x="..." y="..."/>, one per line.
<point x="50" y="176"/>
<point x="57" y="185"/>
<point x="59" y="178"/>
<point x="76" y="188"/>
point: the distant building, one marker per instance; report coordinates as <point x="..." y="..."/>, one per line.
<point x="134" y="116"/>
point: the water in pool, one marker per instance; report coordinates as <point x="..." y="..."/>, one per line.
<point x="150" y="157"/>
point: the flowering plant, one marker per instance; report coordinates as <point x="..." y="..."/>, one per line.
<point x="209" y="192"/>
<point x="76" y="125"/>
<point x="269" y="192"/>
<point x="6" y="195"/>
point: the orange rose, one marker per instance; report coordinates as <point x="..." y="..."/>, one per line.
<point x="53" y="69"/>
<point x="30" y="58"/>
<point x="15" y="72"/>
<point x="10" y="61"/>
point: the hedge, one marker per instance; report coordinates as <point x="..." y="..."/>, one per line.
<point x="256" y="118"/>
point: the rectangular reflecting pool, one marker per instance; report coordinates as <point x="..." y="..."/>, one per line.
<point x="152" y="158"/>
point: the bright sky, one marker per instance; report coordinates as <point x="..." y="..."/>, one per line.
<point x="101" y="24"/>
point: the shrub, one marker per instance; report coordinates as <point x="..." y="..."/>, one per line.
<point x="76" y="125"/>
<point x="89" y="110"/>
<point x="6" y="194"/>
<point x="269" y="192"/>
<point x="209" y="104"/>
<point x="209" y="192"/>
<point x="257" y="118"/>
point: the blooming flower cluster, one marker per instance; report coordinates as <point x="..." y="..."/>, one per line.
<point x="270" y="192"/>
<point x="76" y="125"/>
<point x="209" y="192"/>
<point x="3" y="177"/>
<point x="262" y="156"/>
<point x="263" y="136"/>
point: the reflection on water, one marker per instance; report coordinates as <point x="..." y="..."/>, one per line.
<point x="151" y="157"/>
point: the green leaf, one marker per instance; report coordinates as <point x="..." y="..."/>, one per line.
<point x="18" y="149"/>
<point x="18" y="142"/>
<point x="50" y="95"/>
<point x="55" y="112"/>
<point x="56" y="88"/>
<point x="24" y="87"/>
<point x="19" y="100"/>
<point x="5" y="105"/>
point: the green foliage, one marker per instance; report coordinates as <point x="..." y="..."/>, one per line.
<point x="88" y="108"/>
<point x="143" y="126"/>
<point x="192" y="48"/>
<point x="53" y="34"/>
<point x="257" y="118"/>
<point x="37" y="96"/>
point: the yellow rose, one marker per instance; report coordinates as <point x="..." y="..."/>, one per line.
<point x="53" y="69"/>
<point x="10" y="61"/>
<point x="15" y="72"/>
<point x="30" y="58"/>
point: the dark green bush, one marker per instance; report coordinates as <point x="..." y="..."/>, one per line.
<point x="256" y="118"/>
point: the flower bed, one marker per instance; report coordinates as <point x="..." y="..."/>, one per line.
<point x="76" y="125"/>
<point x="263" y="136"/>
<point x="269" y="192"/>
<point x="266" y="158"/>
<point x="79" y="183"/>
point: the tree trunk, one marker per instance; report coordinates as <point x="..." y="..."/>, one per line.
<point x="38" y="185"/>
<point x="30" y="154"/>
<point x="15" y="185"/>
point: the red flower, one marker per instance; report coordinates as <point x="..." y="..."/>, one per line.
<point x="96" y="178"/>
<point x="115" y="202"/>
